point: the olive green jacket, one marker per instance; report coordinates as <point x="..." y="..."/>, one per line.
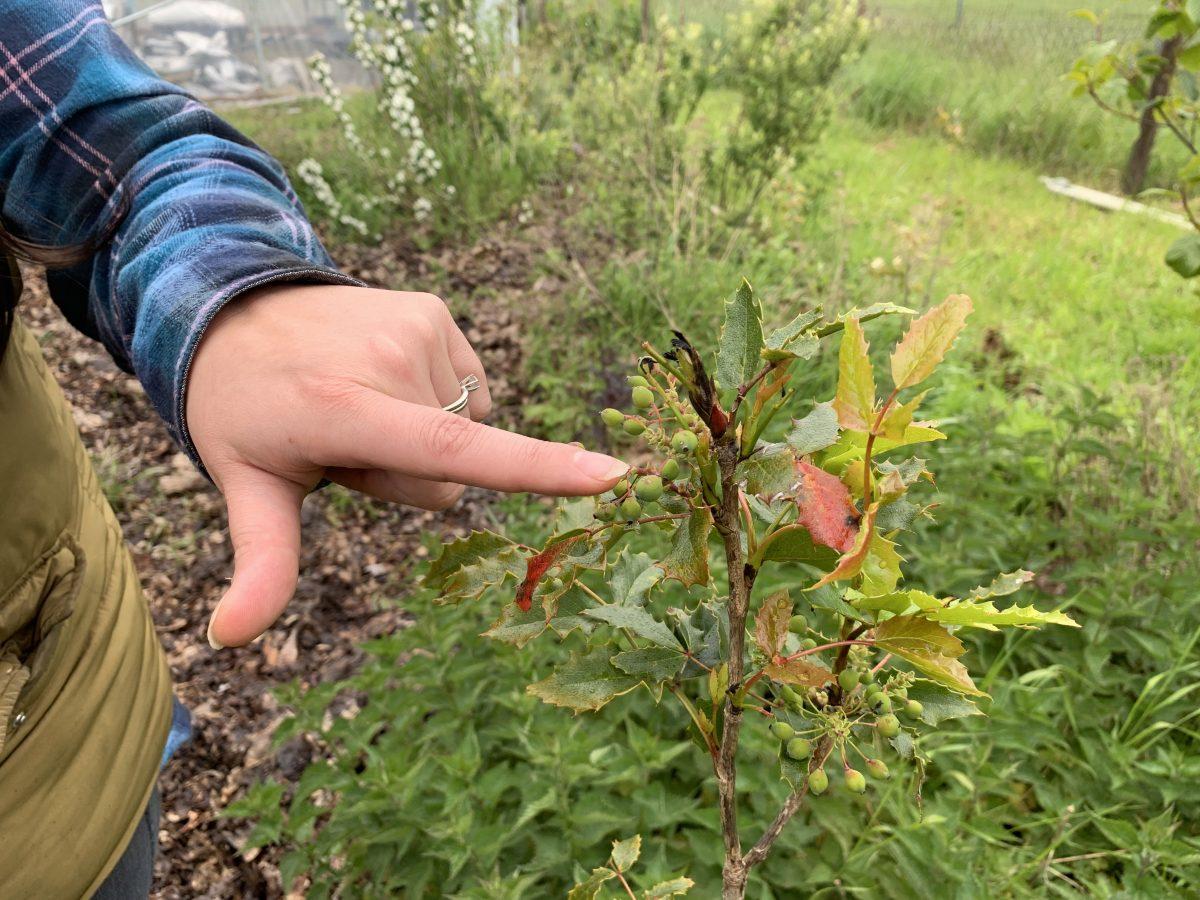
<point x="85" y="696"/>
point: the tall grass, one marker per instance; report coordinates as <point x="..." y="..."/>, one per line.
<point x="997" y="75"/>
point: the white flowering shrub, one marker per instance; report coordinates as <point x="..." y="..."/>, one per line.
<point x="429" y="73"/>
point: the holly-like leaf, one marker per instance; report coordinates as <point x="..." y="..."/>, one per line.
<point x="536" y="567"/>
<point x="851" y="562"/>
<point x="741" y="341"/>
<point x="939" y="704"/>
<point x="897" y="515"/>
<point x="816" y="431"/>
<point x="771" y="623"/>
<point x="705" y="631"/>
<point x="881" y="568"/>
<point x="825" y="508"/>
<point x="632" y="579"/>
<point x="465" y="568"/>
<point x="771" y="470"/>
<point x="625" y="853"/>
<point x="944" y="670"/>
<point x="927" y="340"/>
<point x="793" y="340"/>
<point x="687" y="560"/>
<point x="874" y="311"/>
<point x="584" y="682"/>
<point x="676" y="887"/>
<point x="1002" y="585"/>
<point x="909" y="469"/>
<point x="855" y="399"/>
<point x="652" y="664"/>
<point x="518" y="627"/>
<point x="851" y="445"/>
<point x="637" y="620"/>
<point x="985" y="615"/>
<point x="898" y="417"/>
<point x="915" y="634"/>
<point x="590" y="888"/>
<point x="798" y="671"/>
<point x="928" y="648"/>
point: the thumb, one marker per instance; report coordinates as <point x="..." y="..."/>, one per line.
<point x="264" y="527"/>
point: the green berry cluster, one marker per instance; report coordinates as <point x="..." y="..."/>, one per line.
<point x="854" y="718"/>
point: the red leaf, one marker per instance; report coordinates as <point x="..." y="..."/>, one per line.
<point x="826" y="509"/>
<point x="536" y="566"/>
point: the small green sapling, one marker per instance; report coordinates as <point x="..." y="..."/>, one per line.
<point x="855" y="666"/>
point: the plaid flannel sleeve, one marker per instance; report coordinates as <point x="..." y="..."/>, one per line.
<point x="87" y="131"/>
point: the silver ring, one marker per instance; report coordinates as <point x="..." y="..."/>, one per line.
<point x="468" y="384"/>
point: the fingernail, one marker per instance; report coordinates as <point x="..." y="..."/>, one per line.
<point x="599" y="466"/>
<point x="212" y="641"/>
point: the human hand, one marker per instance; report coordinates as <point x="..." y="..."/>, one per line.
<point x="295" y="383"/>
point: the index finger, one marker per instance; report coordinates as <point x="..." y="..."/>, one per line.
<point x="430" y="443"/>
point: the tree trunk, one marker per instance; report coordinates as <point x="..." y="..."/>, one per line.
<point x="645" y="21"/>
<point x="1134" y="175"/>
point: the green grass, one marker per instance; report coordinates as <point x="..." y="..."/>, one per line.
<point x="999" y="76"/>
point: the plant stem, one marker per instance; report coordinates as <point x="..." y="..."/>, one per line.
<point x="726" y="518"/>
<point x="870" y="446"/>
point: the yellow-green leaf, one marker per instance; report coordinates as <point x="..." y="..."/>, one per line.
<point x="673" y="888"/>
<point x="985" y="615"/>
<point x="927" y="340"/>
<point x="625" y="853"/>
<point x="590" y="888"/>
<point x="855" y="399"/>
<point x="915" y="634"/>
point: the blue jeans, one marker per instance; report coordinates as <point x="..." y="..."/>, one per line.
<point x="134" y="873"/>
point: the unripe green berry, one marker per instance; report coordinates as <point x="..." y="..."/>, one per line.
<point x="914" y="708"/>
<point x="634" y="427"/>
<point x="649" y="488"/>
<point x="867" y="677"/>
<point x="554" y="584"/>
<point x="871" y="691"/>
<point x="798" y="624"/>
<point x="878" y="768"/>
<point x="621" y="488"/>
<point x="630" y="508"/>
<point x="856" y="781"/>
<point x="881" y="703"/>
<point x="606" y="512"/>
<point x="848" y="679"/>
<point x="637" y="381"/>
<point x="670" y="470"/>
<point x="612" y="417"/>
<point x="643" y="397"/>
<point x="889" y="725"/>
<point x="684" y="442"/>
<point x="799" y="748"/>
<point x="818" y="781"/>
<point x="782" y="731"/>
<point x="790" y="695"/>
<point x="808" y="643"/>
